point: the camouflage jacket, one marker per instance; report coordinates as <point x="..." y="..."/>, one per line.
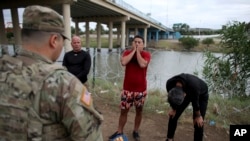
<point x="40" y="100"/>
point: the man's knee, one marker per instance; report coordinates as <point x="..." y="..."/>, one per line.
<point x="124" y="112"/>
<point x="138" y="110"/>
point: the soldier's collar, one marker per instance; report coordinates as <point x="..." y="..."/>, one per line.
<point x="30" y="54"/>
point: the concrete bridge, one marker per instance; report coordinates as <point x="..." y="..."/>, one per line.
<point x="114" y="13"/>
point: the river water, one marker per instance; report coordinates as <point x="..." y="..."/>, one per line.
<point x="163" y="65"/>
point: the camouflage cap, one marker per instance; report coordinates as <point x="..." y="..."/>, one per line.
<point x="44" y="19"/>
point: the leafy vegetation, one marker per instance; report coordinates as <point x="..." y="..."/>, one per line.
<point x="208" y="41"/>
<point x="189" y="42"/>
<point x="226" y="112"/>
<point x="104" y="42"/>
<point x="185" y="29"/>
<point x="220" y="73"/>
<point x="229" y="74"/>
<point x="223" y="111"/>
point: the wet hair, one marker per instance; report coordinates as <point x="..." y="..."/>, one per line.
<point x="175" y="97"/>
<point x="138" y="36"/>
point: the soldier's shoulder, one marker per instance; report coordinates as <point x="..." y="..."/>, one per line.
<point x="55" y="75"/>
<point x="59" y="74"/>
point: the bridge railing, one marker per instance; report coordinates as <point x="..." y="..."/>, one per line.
<point x="132" y="9"/>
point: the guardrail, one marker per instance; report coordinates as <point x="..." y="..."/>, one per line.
<point x="132" y="9"/>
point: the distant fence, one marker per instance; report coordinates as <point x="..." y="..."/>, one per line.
<point x="8" y="49"/>
<point x="106" y="66"/>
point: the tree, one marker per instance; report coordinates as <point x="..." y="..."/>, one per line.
<point x="181" y="27"/>
<point x="184" y="28"/>
<point x="177" y="27"/>
<point x="229" y="73"/>
<point x="73" y="31"/>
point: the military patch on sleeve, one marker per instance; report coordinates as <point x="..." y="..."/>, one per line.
<point x="86" y="98"/>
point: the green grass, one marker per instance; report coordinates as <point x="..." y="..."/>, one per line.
<point x="104" y="42"/>
<point x="177" y="46"/>
<point x="156" y="102"/>
<point x="168" y="44"/>
<point x="106" y="90"/>
<point x="230" y="111"/>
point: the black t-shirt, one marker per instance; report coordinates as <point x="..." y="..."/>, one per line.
<point x="193" y="86"/>
<point x="78" y="63"/>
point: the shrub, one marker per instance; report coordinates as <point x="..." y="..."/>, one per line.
<point x="188" y="42"/>
<point x="208" y="41"/>
<point x="229" y="74"/>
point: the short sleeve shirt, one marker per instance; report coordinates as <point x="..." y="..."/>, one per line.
<point x="135" y="76"/>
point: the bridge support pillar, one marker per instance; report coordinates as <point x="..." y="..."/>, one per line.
<point x="119" y="37"/>
<point x="16" y="27"/>
<point x="98" y="37"/>
<point x="136" y="31"/>
<point x="77" y="27"/>
<point x="3" y="39"/>
<point x="145" y="36"/>
<point x="157" y="35"/>
<point x="110" y="36"/>
<point x="150" y="36"/>
<point x="87" y="35"/>
<point x="67" y="27"/>
<point x="123" y="35"/>
<point x="127" y="37"/>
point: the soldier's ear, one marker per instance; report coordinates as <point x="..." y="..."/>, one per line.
<point x="53" y="40"/>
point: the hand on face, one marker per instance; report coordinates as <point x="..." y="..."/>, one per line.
<point x="139" y="47"/>
<point x="138" y="44"/>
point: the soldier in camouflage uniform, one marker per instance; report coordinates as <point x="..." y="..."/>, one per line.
<point x="40" y="100"/>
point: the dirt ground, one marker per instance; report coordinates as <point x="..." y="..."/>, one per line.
<point x="153" y="126"/>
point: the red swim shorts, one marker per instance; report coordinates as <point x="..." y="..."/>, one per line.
<point x="128" y="99"/>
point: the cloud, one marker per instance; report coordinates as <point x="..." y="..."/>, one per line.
<point x="196" y="13"/>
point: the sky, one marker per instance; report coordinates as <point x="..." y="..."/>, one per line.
<point x="196" y="13"/>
